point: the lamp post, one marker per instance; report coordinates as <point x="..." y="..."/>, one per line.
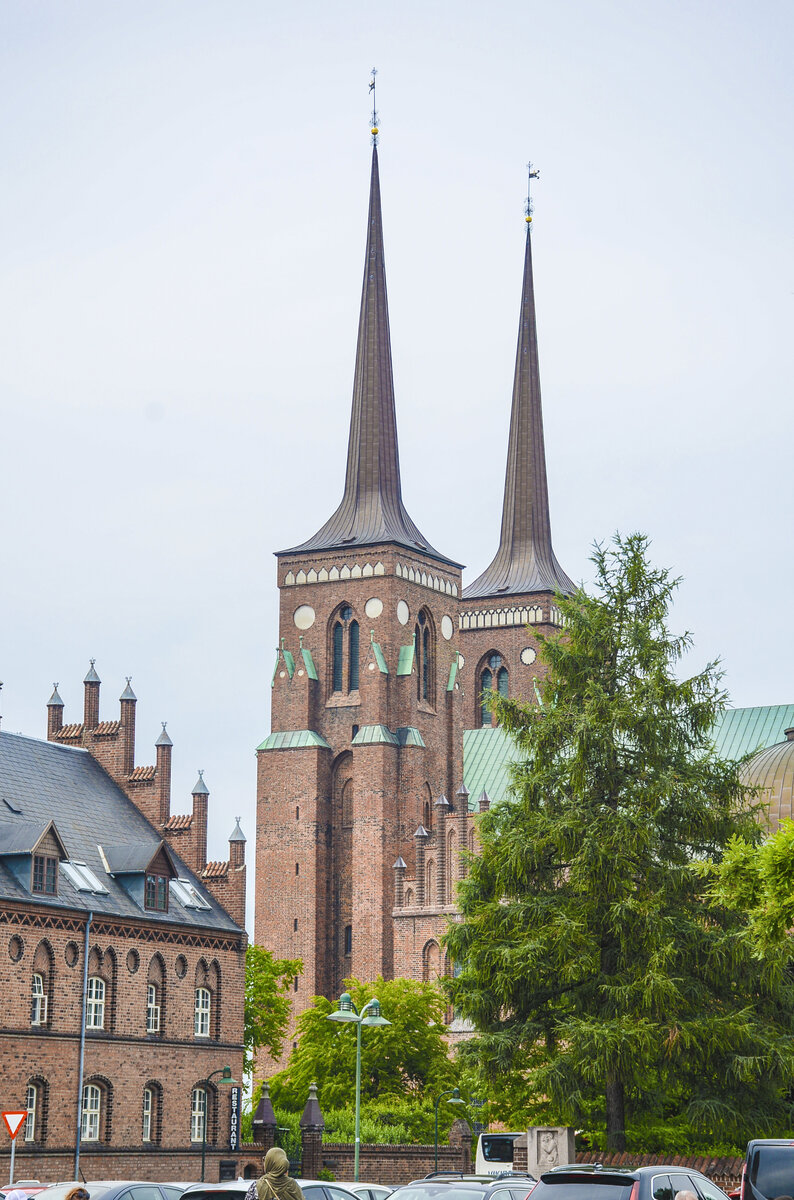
<point x="454" y="1098"/>
<point x="226" y="1078"/>
<point x="348" y="1012"/>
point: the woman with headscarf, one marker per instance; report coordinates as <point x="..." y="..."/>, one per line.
<point x="276" y="1183"/>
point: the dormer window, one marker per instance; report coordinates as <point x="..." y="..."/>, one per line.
<point x="156" y="893"/>
<point x="45" y="875"/>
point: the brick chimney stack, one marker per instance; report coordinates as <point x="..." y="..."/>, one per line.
<point x="237" y="847"/>
<point x="91" y="704"/>
<point x="200" y="797"/>
<point x="163" y="775"/>
<point x="54" y="713"/>
<point x="128" y="701"/>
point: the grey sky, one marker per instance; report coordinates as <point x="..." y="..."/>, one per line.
<point x="183" y="211"/>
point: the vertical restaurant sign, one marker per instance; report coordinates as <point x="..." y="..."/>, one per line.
<point x="234" y="1118"/>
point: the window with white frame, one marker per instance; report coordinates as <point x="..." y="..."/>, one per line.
<point x="31" y="1104"/>
<point x="38" y="1002"/>
<point x="198" y="1114"/>
<point x="95" y="1008"/>
<point x="92" y="1107"/>
<point x="152" y="1010"/>
<point x="148" y="1104"/>
<point x="201" y="1018"/>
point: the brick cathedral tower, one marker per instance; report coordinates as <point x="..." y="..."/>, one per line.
<point x="517" y="589"/>
<point x="366" y="706"/>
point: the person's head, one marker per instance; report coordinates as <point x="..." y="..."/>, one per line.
<point x="685" y="1195"/>
<point x="276" y="1162"/>
<point x="78" y="1193"/>
<point x="17" y="1194"/>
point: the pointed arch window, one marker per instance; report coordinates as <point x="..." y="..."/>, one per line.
<point x="95" y="1007"/>
<point x="494" y="677"/>
<point x="345" y="640"/>
<point x="424" y="655"/>
<point x="31" y="1105"/>
<point x="38" y="1005"/>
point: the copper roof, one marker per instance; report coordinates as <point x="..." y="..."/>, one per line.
<point x="525" y="560"/>
<point x="141" y="774"/>
<point x="178" y="821"/>
<point x="215" y="870"/>
<point x="772" y="770"/>
<point x="372" y="509"/>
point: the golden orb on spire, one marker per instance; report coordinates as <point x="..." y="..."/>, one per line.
<point x="374" y="131"/>
<point x="528" y="220"/>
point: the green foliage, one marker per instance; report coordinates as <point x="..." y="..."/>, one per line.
<point x="397" y="1060"/>
<point x="326" y="1174"/>
<point x="759" y="880"/>
<point x="395" y="1122"/>
<point x="604" y="989"/>
<point x="267" y="1006"/>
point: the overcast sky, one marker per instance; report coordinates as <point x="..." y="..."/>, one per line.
<point x="183" y="218"/>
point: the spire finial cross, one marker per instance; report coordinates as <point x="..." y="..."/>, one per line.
<point x="532" y="173"/>
<point x="92" y="661"/>
<point x="374" y="117"/>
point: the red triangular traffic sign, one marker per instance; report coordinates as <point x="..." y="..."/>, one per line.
<point x="14" y="1121"/>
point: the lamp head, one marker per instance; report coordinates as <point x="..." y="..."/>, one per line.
<point x="456" y="1097"/>
<point x="345" y="1010"/>
<point x="226" y="1077"/>
<point x="373" y="1016"/>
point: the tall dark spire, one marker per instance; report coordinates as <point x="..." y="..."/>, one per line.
<point x="372" y="508"/>
<point x="525" y="560"/>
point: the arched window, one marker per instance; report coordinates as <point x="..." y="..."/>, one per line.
<point x="155" y="996"/>
<point x="38" y="1002"/>
<point x="201" y="1012"/>
<point x="348" y="939"/>
<point x="452" y="865"/>
<point x="148" y="1108"/>
<point x="430" y="882"/>
<point x="95" y="1007"/>
<point x="431" y="962"/>
<point x="339" y="645"/>
<point x="152" y="1009"/>
<point x="352" y="651"/>
<point x="423" y="652"/>
<point x="32" y="1106"/>
<point x="198" y="1114"/>
<point x="427" y="807"/>
<point x="409" y="898"/>
<point x="493" y="678"/>
<point x="91" y="1114"/>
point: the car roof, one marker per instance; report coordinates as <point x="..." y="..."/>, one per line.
<point x="622" y="1172"/>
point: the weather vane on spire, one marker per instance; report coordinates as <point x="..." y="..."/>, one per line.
<point x="532" y="173"/>
<point x="374" y="125"/>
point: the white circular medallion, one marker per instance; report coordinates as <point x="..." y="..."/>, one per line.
<point x="461" y="661"/>
<point x="447" y="627"/>
<point x="373" y="608"/>
<point x="304" y="616"/>
<point x="371" y="666"/>
<point x="403" y="612"/>
<point x="528" y="656"/>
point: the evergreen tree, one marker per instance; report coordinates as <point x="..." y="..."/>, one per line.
<point x="592" y="967"/>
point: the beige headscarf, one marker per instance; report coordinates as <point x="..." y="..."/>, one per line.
<point x="276" y="1184"/>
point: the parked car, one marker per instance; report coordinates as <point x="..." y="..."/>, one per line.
<point x="454" y="1185"/>
<point x="235" y="1189"/>
<point x="768" y="1169"/>
<point x="366" y="1191"/>
<point x="591" y="1181"/>
<point x="114" y="1189"/>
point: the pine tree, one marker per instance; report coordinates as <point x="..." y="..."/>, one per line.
<point x="590" y="962"/>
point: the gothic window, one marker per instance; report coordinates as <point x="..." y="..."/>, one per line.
<point x="347" y="804"/>
<point x="339" y="642"/>
<point x="345" y="667"/>
<point x="427" y="808"/>
<point x="452" y="864"/>
<point x="95" y="1007"/>
<point x="31" y="1104"/>
<point x="424" y="655"/>
<point x="352" y="650"/>
<point x="493" y="678"/>
<point x="431" y="962"/>
<point x="201" y="1012"/>
<point x="152" y="1009"/>
<point x="148" y="1105"/>
<point x="430" y="882"/>
<point x="155" y="996"/>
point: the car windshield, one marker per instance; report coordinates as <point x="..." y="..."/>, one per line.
<point x="583" y="1187"/>
<point x="497" y="1148"/>
<point x="435" y="1191"/>
<point x="772" y="1170"/>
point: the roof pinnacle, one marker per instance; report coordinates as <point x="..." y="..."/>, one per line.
<point x="374" y="114"/>
<point x="525" y="561"/>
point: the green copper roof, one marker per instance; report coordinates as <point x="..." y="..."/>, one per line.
<point x="380" y="659"/>
<point x="743" y="730"/>
<point x="293" y="739"/>
<point x="308" y="663"/>
<point x="453" y="671"/>
<point x="289" y="661"/>
<point x="369" y="735"/>
<point x="408" y="735"/>
<point x="275" y="670"/>
<point x="405" y="663"/>
<point x="488" y="752"/>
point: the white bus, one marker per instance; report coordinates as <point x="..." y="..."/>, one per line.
<point x="495" y="1153"/>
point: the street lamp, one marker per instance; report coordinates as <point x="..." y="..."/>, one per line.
<point x="226" y="1078"/>
<point x="454" y="1098"/>
<point x="347" y="1011"/>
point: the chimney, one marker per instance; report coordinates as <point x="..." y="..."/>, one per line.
<point x="54" y="713"/>
<point x="128" y="700"/>
<point x="200" y="795"/>
<point x="91" y="704"/>
<point x="163" y="775"/>
<point x="399" y="882"/>
<point x="237" y="847"/>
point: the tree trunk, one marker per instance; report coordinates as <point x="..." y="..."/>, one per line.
<point x="616" y="1116"/>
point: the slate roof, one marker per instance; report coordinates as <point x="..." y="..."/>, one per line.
<point x="46" y="782"/>
<point x="488" y="752"/>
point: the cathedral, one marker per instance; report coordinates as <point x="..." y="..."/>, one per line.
<point x="378" y="717"/>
